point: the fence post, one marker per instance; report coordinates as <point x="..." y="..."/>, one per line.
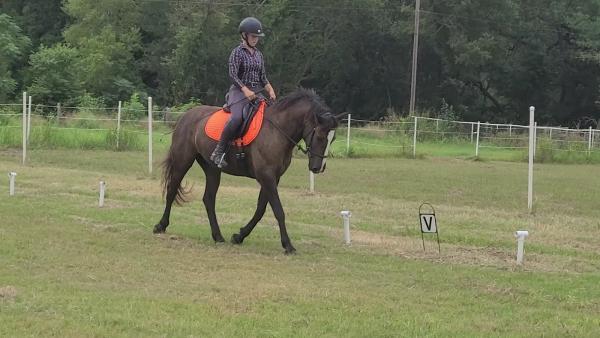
<point x="28" y="120"/>
<point x="415" y="140"/>
<point x="531" y="154"/>
<point x="24" y="127"/>
<point x="477" y="142"/>
<point x="550" y="134"/>
<point x="311" y="182"/>
<point x="150" y="134"/>
<point x="119" y="124"/>
<point x="510" y="130"/>
<point x="348" y="135"/>
<point x="58" y="112"/>
<point x="590" y="142"/>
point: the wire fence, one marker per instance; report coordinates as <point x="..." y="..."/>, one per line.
<point x="124" y="128"/>
<point x="415" y="135"/>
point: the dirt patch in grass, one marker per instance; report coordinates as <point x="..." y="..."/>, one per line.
<point x="8" y="293"/>
<point x="505" y="259"/>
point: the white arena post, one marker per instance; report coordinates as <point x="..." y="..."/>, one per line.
<point x="531" y="154"/>
<point x="119" y="124"/>
<point x="346" y="215"/>
<point x="520" y="235"/>
<point x="11" y="187"/>
<point x="150" y="135"/>
<point x="101" y="199"/>
<point x="590" y="141"/>
<point x="24" y="127"/>
<point x="477" y="140"/>
<point x="311" y="178"/>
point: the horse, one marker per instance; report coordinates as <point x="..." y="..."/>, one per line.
<point x="301" y="115"/>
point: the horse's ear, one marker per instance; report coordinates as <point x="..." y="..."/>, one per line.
<point x="341" y="116"/>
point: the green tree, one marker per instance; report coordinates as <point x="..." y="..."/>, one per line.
<point x="13" y="47"/>
<point x="106" y="33"/>
<point x="54" y="73"/>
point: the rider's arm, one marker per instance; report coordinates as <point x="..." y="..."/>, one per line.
<point x="234" y="67"/>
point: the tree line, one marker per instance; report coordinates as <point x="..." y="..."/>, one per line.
<point x="478" y="60"/>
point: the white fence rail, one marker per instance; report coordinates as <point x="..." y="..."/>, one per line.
<point x="481" y="135"/>
<point x="404" y="135"/>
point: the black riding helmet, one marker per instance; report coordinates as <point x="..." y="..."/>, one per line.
<point x="251" y="25"/>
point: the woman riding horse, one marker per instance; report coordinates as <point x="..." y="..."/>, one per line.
<point x="248" y="76"/>
<point x="301" y="115"/>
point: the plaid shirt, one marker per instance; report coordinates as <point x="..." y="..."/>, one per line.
<point x="247" y="69"/>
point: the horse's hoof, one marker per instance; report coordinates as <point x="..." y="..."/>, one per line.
<point x="290" y="251"/>
<point x="236" y="239"/>
<point x="158" y="229"/>
<point x="218" y="239"/>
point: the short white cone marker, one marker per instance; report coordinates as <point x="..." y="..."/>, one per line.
<point x="102" y="188"/>
<point x="346" y="215"/>
<point x="11" y="189"/>
<point x="520" y="235"/>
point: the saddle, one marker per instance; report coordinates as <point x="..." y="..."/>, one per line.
<point x="253" y="114"/>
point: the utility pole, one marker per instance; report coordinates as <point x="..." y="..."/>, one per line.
<point x="413" y="83"/>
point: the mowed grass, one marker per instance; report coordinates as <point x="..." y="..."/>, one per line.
<point x="71" y="269"/>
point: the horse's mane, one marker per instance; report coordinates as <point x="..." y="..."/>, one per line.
<point x="317" y="104"/>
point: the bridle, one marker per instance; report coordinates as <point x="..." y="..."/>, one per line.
<point x="310" y="137"/>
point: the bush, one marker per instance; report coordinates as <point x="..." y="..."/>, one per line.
<point x="134" y="109"/>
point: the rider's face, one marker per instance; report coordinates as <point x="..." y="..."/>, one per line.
<point x="252" y="39"/>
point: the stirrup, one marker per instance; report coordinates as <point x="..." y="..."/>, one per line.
<point x="218" y="158"/>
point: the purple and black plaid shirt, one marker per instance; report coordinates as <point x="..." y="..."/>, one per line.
<point x="247" y="69"/>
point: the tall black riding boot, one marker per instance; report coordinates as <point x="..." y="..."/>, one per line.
<point x="218" y="155"/>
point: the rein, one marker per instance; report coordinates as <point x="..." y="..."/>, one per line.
<point x="297" y="144"/>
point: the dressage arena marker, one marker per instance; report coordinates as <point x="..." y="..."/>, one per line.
<point x="346" y="215"/>
<point x="311" y="182"/>
<point x="520" y="235"/>
<point x="428" y="224"/>
<point x="11" y="189"/>
<point x="102" y="187"/>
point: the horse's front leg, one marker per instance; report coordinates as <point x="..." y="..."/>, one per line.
<point x="269" y="185"/>
<point x="261" y="206"/>
<point x="213" y="180"/>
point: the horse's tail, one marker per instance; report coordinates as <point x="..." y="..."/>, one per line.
<point x="167" y="179"/>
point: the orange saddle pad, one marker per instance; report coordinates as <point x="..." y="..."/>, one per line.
<point x="216" y="123"/>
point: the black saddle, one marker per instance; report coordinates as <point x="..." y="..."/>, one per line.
<point x="248" y="114"/>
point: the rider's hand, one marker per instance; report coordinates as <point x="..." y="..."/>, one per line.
<point x="250" y="95"/>
<point x="272" y="95"/>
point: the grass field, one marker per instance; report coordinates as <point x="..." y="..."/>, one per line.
<point x="71" y="269"/>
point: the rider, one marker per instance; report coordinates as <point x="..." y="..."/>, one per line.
<point x="248" y="76"/>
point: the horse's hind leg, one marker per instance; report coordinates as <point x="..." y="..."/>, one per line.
<point x="176" y="166"/>
<point x="269" y="185"/>
<point x="261" y="206"/>
<point x="213" y="180"/>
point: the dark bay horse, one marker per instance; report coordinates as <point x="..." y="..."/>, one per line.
<point x="300" y="115"/>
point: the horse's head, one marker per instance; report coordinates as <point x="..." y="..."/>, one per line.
<point x="317" y="128"/>
<point x="318" y="140"/>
